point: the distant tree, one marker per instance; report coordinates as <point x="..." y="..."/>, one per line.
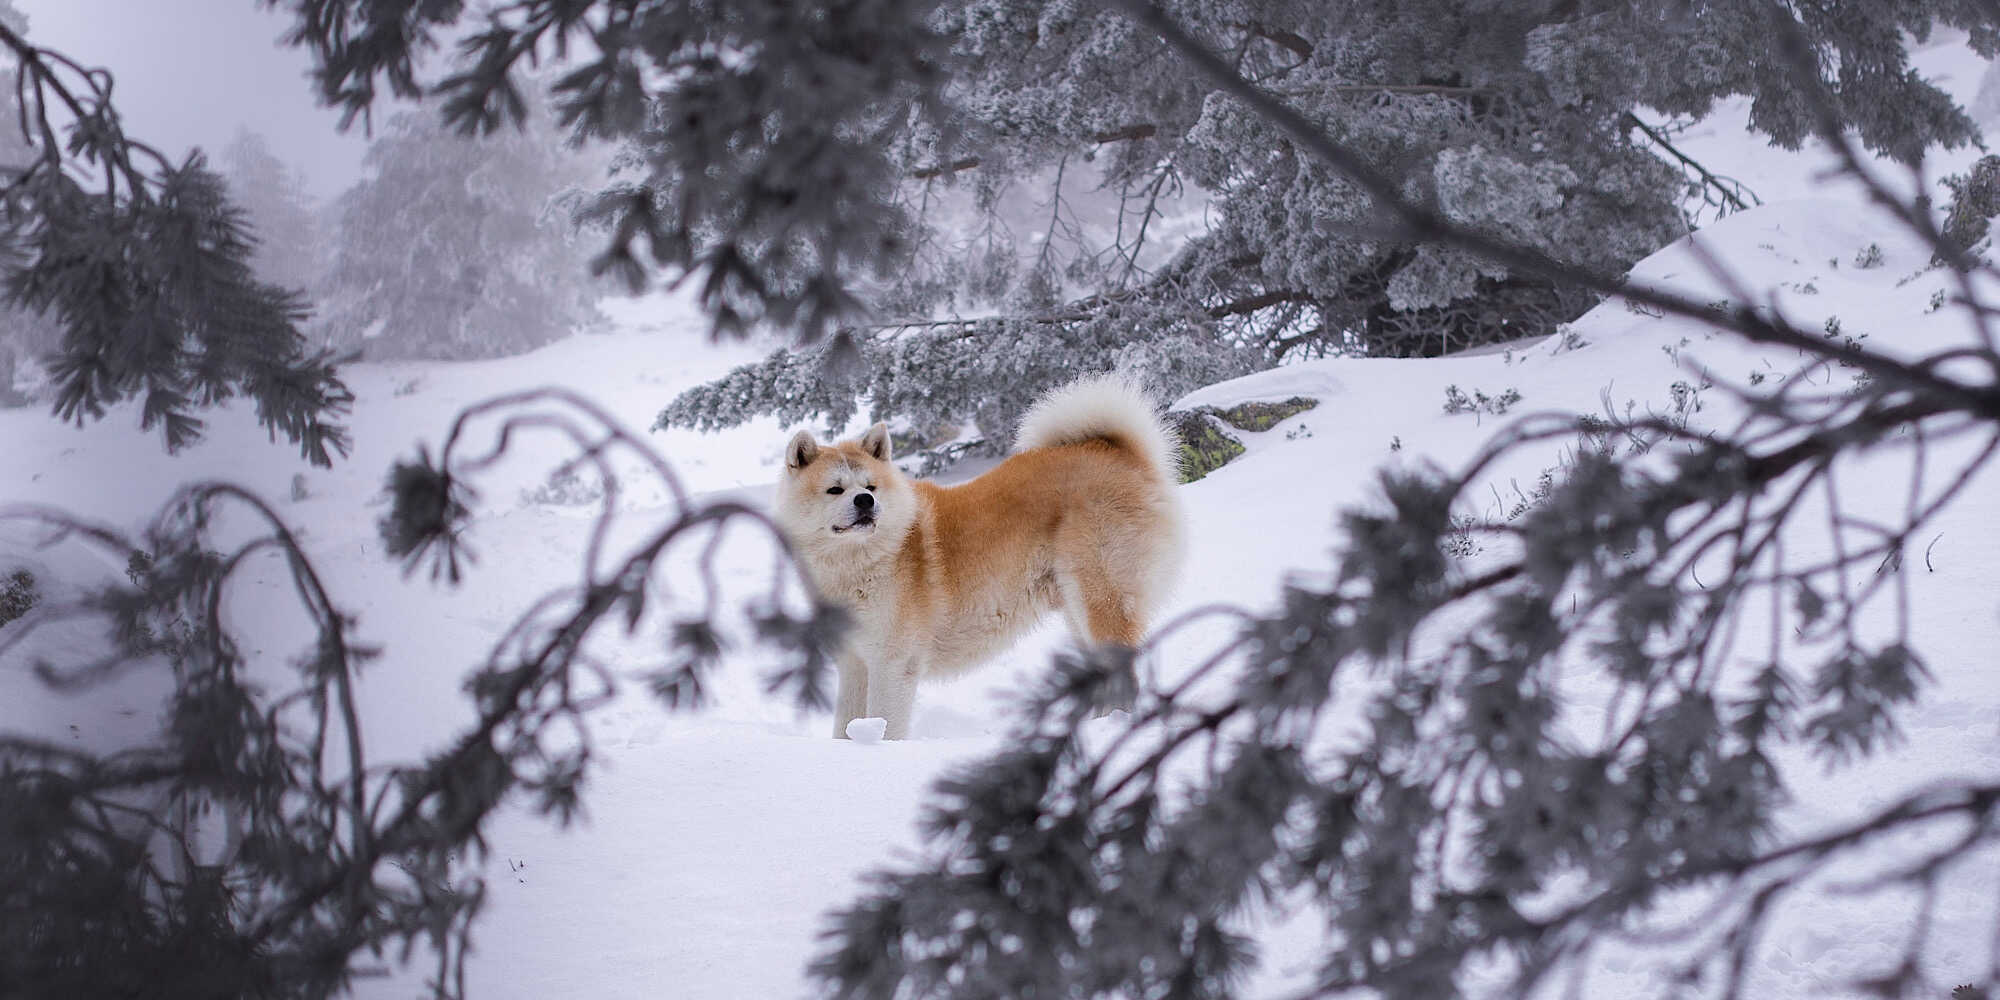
<point x="143" y="265"/>
<point x="763" y="134"/>
<point x="290" y="246"/>
<point x="26" y="335"/>
<point x="458" y="246"/>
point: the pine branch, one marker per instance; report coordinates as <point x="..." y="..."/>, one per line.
<point x="159" y="240"/>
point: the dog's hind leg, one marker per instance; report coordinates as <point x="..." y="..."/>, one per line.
<point x="852" y="701"/>
<point x="1102" y="614"/>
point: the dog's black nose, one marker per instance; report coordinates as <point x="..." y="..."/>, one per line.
<point x="864" y="502"/>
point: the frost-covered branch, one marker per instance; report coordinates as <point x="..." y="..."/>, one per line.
<point x="1723" y="192"/>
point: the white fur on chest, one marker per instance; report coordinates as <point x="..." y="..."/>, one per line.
<point x="868" y="594"/>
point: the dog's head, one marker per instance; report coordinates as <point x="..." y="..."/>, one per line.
<point x="844" y="494"/>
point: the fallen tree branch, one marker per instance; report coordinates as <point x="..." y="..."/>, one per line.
<point x="1724" y="188"/>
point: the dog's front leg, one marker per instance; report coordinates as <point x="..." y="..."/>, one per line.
<point x="852" y="702"/>
<point x="892" y="693"/>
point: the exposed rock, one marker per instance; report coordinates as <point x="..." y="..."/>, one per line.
<point x="1263" y="415"/>
<point x="1207" y="445"/>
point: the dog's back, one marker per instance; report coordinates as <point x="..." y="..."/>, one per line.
<point x="1084" y="519"/>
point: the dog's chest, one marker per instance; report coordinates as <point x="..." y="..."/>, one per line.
<point x="866" y="593"/>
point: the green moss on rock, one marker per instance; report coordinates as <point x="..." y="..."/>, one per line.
<point x="1262" y="416"/>
<point x="1207" y="445"/>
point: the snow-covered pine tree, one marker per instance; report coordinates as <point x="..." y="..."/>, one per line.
<point x="24" y="335"/>
<point x="460" y="246"/>
<point x="128" y="273"/>
<point x="291" y="247"/>
<point x="1530" y="121"/>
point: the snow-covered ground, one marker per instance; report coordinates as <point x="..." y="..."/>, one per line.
<point x="715" y="842"/>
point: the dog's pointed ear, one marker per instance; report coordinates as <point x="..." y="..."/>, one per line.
<point x="801" y="451"/>
<point x="875" y="441"/>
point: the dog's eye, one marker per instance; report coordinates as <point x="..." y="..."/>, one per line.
<point x="870" y="486"/>
<point x="835" y="491"/>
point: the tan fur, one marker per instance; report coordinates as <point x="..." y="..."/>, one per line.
<point x="951" y="575"/>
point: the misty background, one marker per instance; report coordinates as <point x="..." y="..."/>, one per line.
<point x="191" y="72"/>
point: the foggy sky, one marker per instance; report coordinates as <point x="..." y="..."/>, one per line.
<point x="191" y="72"/>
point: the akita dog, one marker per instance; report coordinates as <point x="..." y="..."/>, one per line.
<point x="1083" y="518"/>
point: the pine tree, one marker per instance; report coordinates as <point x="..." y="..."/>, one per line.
<point x="460" y="247"/>
<point x="24" y="335"/>
<point x="1527" y="121"/>
<point x="142" y="263"/>
<point x="290" y="247"/>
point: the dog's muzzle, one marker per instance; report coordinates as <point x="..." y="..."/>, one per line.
<point x="864" y="515"/>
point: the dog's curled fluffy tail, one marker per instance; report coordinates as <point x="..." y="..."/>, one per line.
<point x="1103" y="408"/>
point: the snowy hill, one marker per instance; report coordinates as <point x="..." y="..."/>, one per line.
<point x="715" y="842"/>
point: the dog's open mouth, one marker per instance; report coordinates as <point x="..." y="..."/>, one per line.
<point x="860" y="525"/>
